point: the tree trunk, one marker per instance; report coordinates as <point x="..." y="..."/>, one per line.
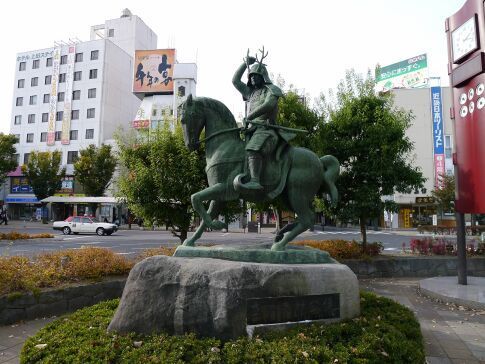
<point x="277" y="214"/>
<point x="183" y="235"/>
<point x="363" y="233"/>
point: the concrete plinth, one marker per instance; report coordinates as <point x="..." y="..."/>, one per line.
<point x="220" y="298"/>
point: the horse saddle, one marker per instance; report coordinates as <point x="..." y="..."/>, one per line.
<point x="274" y="171"/>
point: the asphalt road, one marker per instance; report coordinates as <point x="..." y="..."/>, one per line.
<point x="131" y="242"/>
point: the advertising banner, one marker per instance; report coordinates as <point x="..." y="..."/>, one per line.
<point x="153" y="71"/>
<point x="66" y="118"/>
<point x="411" y="73"/>
<point x="438" y="136"/>
<point x="51" y="127"/>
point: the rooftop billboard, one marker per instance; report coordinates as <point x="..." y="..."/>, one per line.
<point x="411" y="73"/>
<point x="153" y="71"/>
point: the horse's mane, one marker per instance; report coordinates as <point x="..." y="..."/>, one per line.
<point x="219" y="107"/>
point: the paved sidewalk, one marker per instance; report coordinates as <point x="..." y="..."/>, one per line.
<point x="452" y="333"/>
<point x="12" y="338"/>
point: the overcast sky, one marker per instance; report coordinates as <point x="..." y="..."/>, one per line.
<point x="310" y="43"/>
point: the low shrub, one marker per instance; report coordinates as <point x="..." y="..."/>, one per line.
<point x="343" y="249"/>
<point x="156" y="251"/>
<point x="18" y="273"/>
<point x="13" y="235"/>
<point x="440" y="246"/>
<point x="386" y="332"/>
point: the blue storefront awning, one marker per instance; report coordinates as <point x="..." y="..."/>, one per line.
<point x="12" y="198"/>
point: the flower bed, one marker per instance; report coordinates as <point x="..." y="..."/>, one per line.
<point x="386" y="332"/>
<point x="344" y="249"/>
<point x="13" y="235"/>
<point x="441" y="246"/>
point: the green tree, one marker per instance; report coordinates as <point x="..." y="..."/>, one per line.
<point x="158" y="176"/>
<point x="445" y="196"/>
<point x="366" y="133"/>
<point x="293" y="112"/>
<point x="94" y="169"/>
<point x="7" y="151"/>
<point x="44" y="174"/>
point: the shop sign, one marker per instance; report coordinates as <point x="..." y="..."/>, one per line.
<point x="20" y="185"/>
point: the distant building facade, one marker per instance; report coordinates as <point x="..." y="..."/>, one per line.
<point x="70" y="96"/>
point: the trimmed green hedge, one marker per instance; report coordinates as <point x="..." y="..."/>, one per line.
<point x="386" y="332"/>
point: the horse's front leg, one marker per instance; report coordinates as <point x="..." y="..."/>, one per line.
<point x="213" y="210"/>
<point x="211" y="193"/>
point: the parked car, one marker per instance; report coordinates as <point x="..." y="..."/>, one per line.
<point x="84" y="224"/>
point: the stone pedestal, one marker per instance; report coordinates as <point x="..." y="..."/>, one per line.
<point x="219" y="298"/>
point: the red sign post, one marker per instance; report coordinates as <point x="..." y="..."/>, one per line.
<point x="465" y="31"/>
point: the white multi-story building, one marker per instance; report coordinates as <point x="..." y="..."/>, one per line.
<point x="72" y="95"/>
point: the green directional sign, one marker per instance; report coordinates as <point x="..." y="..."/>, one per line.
<point x="411" y="73"/>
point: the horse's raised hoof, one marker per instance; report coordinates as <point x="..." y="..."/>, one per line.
<point x="217" y="225"/>
<point x="278" y="247"/>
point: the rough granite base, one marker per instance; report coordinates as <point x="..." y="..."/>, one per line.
<point x="220" y="298"/>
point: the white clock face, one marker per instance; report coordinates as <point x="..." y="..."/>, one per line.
<point x="464" y="39"/>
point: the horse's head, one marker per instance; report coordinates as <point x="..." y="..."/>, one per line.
<point x="193" y="120"/>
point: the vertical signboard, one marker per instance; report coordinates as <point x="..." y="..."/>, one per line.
<point x="411" y="73"/>
<point x="153" y="71"/>
<point x="465" y="32"/>
<point x="51" y="127"/>
<point x="438" y="136"/>
<point x="66" y="118"/>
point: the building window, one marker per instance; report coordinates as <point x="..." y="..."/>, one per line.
<point x="79" y="57"/>
<point x="60" y="96"/>
<point x="90" y="113"/>
<point x="21" y="83"/>
<point x="48" y="62"/>
<point x="19" y="101"/>
<point x="48" y="80"/>
<point x="64" y="59"/>
<point x="181" y="91"/>
<point x="77" y="75"/>
<point x="18" y="120"/>
<point x="45" y="117"/>
<point x="16" y="158"/>
<point x="17" y="137"/>
<point x="71" y="157"/>
<point x="34" y="81"/>
<point x="89" y="133"/>
<point x="58" y="135"/>
<point x="93" y="74"/>
<point x="448" y="146"/>
<point x="35" y="64"/>
<point x="43" y="136"/>
<point x="75" y="114"/>
<point x="31" y="119"/>
<point x="30" y="137"/>
<point x="94" y="55"/>
<point x="76" y="95"/>
<point x="73" y="135"/>
<point x="26" y="158"/>
<point x="22" y="66"/>
<point x="59" y="115"/>
<point x="47" y="97"/>
<point x="33" y="100"/>
<point x="91" y="93"/>
<point x="62" y="77"/>
<point x="111" y="33"/>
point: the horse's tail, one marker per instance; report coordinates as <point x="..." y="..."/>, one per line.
<point x="331" y="169"/>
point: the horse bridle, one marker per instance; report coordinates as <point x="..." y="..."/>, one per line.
<point x="219" y="133"/>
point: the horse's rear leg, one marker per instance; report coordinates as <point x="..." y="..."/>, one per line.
<point x="213" y="210"/>
<point x="304" y="221"/>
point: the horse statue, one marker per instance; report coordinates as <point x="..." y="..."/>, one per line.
<point x="294" y="175"/>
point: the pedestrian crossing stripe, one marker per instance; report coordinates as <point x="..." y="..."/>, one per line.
<point x="352" y="232"/>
